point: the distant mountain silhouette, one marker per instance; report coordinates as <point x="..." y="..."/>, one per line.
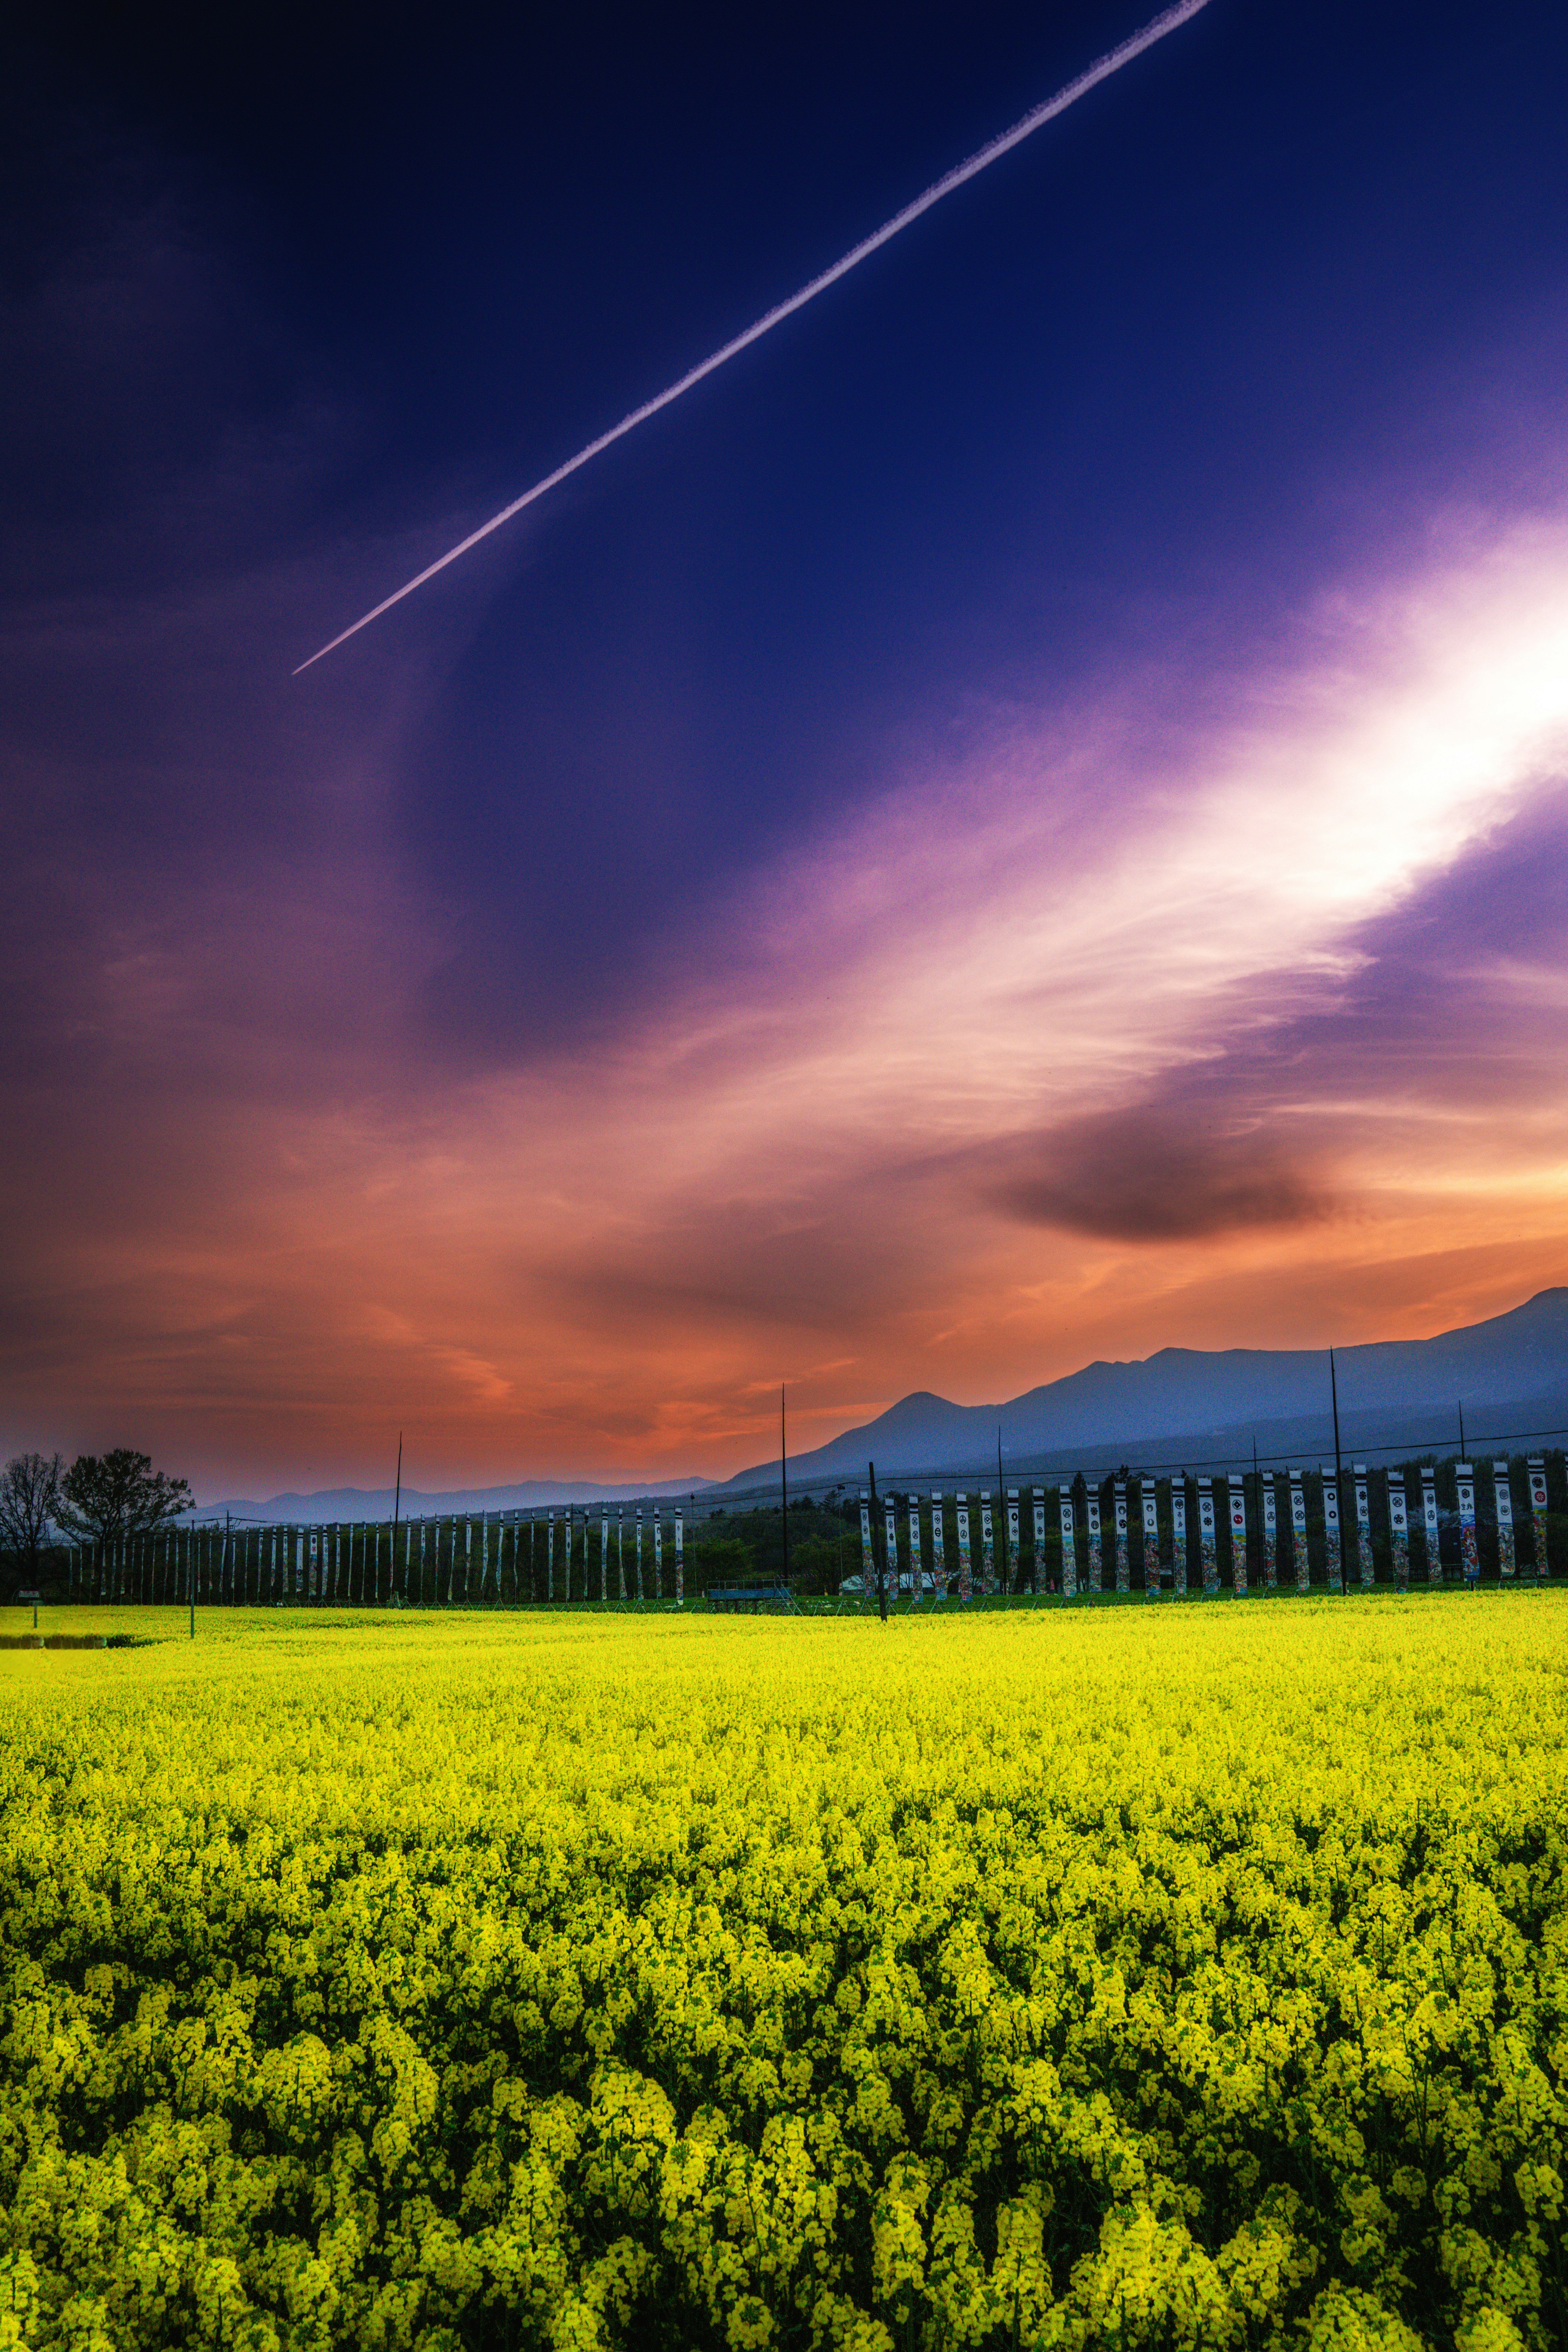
<point x="1510" y="1373"/>
<point x="342" y="1504"/>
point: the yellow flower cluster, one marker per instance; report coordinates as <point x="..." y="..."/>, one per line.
<point x="1190" y="1980"/>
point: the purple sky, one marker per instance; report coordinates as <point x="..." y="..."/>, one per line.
<point x="1026" y="820"/>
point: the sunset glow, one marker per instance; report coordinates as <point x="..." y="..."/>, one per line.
<point x="1029" y="825"/>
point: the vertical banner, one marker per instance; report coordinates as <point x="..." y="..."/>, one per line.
<point x="315" y="1564"/>
<point x="550" y="1555"/>
<point x="658" y="1554"/>
<point x="1537" y="1468"/>
<point x="938" y="1547"/>
<point x="1363" y="1526"/>
<point x="965" y="1565"/>
<point x="1070" y="1545"/>
<point x="1208" y="1549"/>
<point x="1015" y="1548"/>
<point x="1270" y="1507"/>
<point x="917" y="1564"/>
<point x="1091" y="1516"/>
<point x="1150" y="1539"/>
<point x="1503" y="1490"/>
<point x="605" y="1556"/>
<point x="1298" y="1535"/>
<point x="484" y="1553"/>
<point x="890" y="1517"/>
<point x="639" y="1551"/>
<point x="1399" y="1530"/>
<point x="987" y="1544"/>
<point x="868" y="1555"/>
<point x="1430" y="1524"/>
<point x="1040" y="1539"/>
<point x="1238" y="1531"/>
<point x="621" y="1550"/>
<point x="1331" y="1531"/>
<point x="1119" y="1502"/>
<point x="298" y="1566"/>
<point x="1469" y="1557"/>
<point x="1178" y="1534"/>
<point x="679" y="1562"/>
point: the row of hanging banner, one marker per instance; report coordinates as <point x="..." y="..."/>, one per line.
<point x="494" y="1557"/>
<point x="530" y="1556"/>
<point x="1284" y="1547"/>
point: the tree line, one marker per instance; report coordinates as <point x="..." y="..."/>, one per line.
<point x="100" y="1500"/>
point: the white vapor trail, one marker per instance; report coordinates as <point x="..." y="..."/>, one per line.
<point x="1112" y="62"/>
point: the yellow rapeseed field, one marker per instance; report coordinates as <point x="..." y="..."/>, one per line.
<point x="1181" y="1977"/>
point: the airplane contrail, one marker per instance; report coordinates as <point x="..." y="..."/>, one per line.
<point x="1112" y="62"/>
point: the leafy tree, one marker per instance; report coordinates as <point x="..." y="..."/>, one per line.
<point x="29" y="1500"/>
<point x="105" y="1497"/>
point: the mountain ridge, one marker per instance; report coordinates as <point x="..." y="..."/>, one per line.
<point x="1182" y="1396"/>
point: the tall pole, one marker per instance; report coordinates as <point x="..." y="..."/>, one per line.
<point x="878" y="1548"/>
<point x="1461" y="1429"/>
<point x="396" y="1507"/>
<point x="1338" y="1483"/>
<point x="1002" y="1514"/>
<point x="784" y="1480"/>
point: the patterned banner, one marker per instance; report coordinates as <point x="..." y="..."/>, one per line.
<point x="1399" y="1531"/>
<point x="1040" y="1579"/>
<point x="867" y="1557"/>
<point x="679" y="1561"/>
<point x="1270" y="1534"/>
<point x="1503" y="1491"/>
<point x="621" y="1551"/>
<point x="917" y="1562"/>
<point x="1069" y="1547"/>
<point x="639" y="1552"/>
<point x="1119" y="1505"/>
<point x="1238" y="1531"/>
<point x="892" y="1533"/>
<point x="1014" y="1551"/>
<point x="657" y="1556"/>
<point x="1178" y="1534"/>
<point x="314" y="1586"/>
<point x="938" y="1545"/>
<point x="1469" y="1557"/>
<point x="605" y="1557"/>
<point x="1537" y="1468"/>
<point x="1298" y="1534"/>
<point x="549" y="1556"/>
<point x="987" y="1544"/>
<point x="1430" y="1524"/>
<point x="1363" y="1526"/>
<point x="1091" y="1519"/>
<point x="1151" y="1540"/>
<point x="966" y="1567"/>
<point x="1208" y="1548"/>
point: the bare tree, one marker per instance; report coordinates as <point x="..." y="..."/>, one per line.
<point x="103" y="1497"/>
<point x="29" y="1499"/>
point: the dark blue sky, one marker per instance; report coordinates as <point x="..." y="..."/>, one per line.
<point x="1272" y="325"/>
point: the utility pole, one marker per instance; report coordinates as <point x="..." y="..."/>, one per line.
<point x="1002" y="1515"/>
<point x="396" y="1507"/>
<point x="784" y="1479"/>
<point x="878" y="1548"/>
<point x="1339" y="1483"/>
<point x="1461" y="1429"/>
